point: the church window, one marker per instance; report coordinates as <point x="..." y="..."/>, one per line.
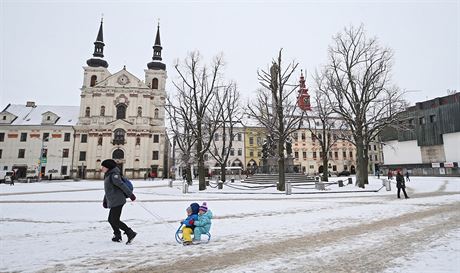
<point x="87" y="112"/>
<point x="121" y="111"/>
<point x="93" y="81"/>
<point x="155" y="83"/>
<point x="156" y="113"/>
<point x="118" y="154"/>
<point x="119" y="137"/>
<point x="139" y="111"/>
<point x="102" y="111"/>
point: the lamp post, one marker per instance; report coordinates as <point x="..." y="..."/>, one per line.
<point x="41" y="158"/>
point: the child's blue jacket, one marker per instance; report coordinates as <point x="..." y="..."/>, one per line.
<point x="190" y="220"/>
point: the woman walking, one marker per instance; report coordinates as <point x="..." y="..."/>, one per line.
<point x="115" y="196"/>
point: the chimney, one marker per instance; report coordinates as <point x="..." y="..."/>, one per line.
<point x="30" y="104"/>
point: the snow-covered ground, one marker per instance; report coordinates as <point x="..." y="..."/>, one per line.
<point x="62" y="227"/>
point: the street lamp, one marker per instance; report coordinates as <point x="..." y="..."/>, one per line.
<point x="41" y="158"/>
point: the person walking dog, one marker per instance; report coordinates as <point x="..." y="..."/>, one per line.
<point x="115" y="196"/>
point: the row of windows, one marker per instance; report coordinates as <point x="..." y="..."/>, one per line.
<point x="93" y="82"/>
<point x="22" y="153"/>
<point x="239" y="137"/>
<point x="118" y="154"/>
<point x="118" y="138"/>
<point x="336" y="155"/>
<point x="121" y="111"/>
<point x="421" y="120"/>
<point x="46" y="136"/>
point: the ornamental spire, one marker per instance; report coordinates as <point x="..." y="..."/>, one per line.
<point x="98" y="54"/>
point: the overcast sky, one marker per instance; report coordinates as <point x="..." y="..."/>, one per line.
<point x="44" y="44"/>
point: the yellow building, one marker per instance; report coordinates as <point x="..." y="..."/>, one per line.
<point x="253" y="139"/>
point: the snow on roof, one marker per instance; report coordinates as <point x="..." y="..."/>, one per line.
<point x="68" y="115"/>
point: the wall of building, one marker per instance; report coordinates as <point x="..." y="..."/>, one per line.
<point x="405" y="152"/>
<point x="452" y="147"/>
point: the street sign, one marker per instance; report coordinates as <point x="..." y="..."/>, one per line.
<point x="43" y="160"/>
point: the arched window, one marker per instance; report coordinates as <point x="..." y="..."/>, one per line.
<point x="121" y="111"/>
<point x="138" y="140"/>
<point x="155" y="83"/>
<point x="93" y="81"/>
<point x="102" y="111"/>
<point x="118" y="154"/>
<point x="119" y="136"/>
<point x="156" y="113"/>
<point x="99" y="141"/>
<point x="87" y="112"/>
<point x="139" y="111"/>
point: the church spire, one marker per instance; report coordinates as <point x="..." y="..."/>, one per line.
<point x="98" y="54"/>
<point x="157" y="64"/>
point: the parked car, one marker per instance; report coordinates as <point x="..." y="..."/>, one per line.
<point x="8" y="177"/>
<point x="344" y="173"/>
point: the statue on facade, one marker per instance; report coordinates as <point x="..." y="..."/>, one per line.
<point x="289" y="146"/>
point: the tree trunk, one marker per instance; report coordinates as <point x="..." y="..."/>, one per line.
<point x="222" y="172"/>
<point x="361" y="166"/>
<point x="325" y="168"/>
<point x="188" y="174"/>
<point x="201" y="178"/>
<point x="281" y="175"/>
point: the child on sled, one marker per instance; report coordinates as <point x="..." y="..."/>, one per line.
<point x="203" y="222"/>
<point x="188" y="227"/>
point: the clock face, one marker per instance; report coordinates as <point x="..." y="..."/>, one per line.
<point x="123" y="79"/>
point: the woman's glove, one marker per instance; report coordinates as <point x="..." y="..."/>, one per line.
<point x="132" y="197"/>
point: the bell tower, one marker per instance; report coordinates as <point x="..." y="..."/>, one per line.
<point x="155" y="75"/>
<point x="96" y="71"/>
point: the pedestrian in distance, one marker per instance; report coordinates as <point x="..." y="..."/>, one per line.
<point x="407" y="176"/>
<point x="390" y="175"/>
<point x="116" y="192"/>
<point x="400" y="184"/>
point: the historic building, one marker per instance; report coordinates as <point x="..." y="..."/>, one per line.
<point x="122" y="117"/>
<point x="37" y="138"/>
<point x="427" y="140"/>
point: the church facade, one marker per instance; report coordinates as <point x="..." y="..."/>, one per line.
<point x="121" y="117"/>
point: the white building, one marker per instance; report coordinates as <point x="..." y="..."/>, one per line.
<point x="122" y="117"/>
<point x="428" y="139"/>
<point x="37" y="137"/>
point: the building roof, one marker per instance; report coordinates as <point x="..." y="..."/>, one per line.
<point x="33" y="115"/>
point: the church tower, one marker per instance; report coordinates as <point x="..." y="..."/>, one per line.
<point x="96" y="71"/>
<point x="121" y="117"/>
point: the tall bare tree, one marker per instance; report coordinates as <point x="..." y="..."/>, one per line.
<point x="182" y="121"/>
<point x="325" y="127"/>
<point x="228" y="99"/>
<point x="357" y="83"/>
<point x="276" y="108"/>
<point x="200" y="84"/>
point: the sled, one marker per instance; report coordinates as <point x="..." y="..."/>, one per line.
<point x="181" y="241"/>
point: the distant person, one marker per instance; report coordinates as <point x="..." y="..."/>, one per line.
<point x="115" y="196"/>
<point x="390" y="175"/>
<point x="401" y="185"/>
<point x="407" y="176"/>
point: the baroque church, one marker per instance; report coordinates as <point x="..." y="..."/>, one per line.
<point x="122" y="117"/>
